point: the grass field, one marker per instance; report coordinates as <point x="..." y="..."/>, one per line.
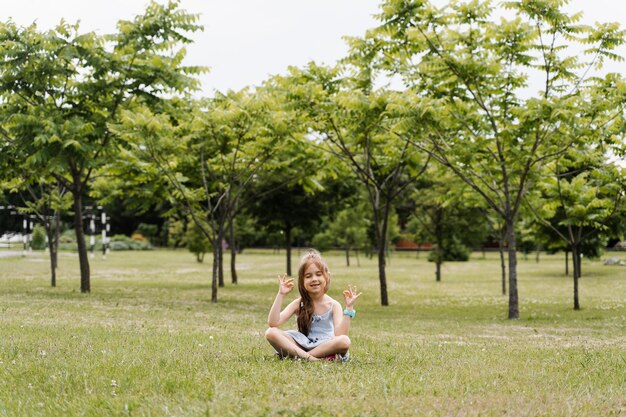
<point x="148" y="342"/>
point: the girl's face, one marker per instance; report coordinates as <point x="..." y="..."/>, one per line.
<point x="315" y="280"/>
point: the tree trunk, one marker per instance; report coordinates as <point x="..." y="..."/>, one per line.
<point x="53" y="255"/>
<point x="537" y="254"/>
<point x="382" y="274"/>
<point x="347" y="249"/>
<point x="439" y="238"/>
<point x="439" y="261"/>
<point x="220" y="253"/>
<point x="83" y="259"/>
<point x="512" y="251"/>
<point x="576" y="263"/>
<point x="566" y="263"/>
<point x="215" y="271"/>
<point x="233" y="253"/>
<point x="288" y="246"/>
<point x="502" y="264"/>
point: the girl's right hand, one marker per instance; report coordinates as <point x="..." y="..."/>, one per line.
<point x="285" y="284"/>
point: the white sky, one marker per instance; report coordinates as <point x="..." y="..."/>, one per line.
<point x="245" y="41"/>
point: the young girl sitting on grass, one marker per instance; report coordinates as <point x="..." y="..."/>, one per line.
<point x="322" y="324"/>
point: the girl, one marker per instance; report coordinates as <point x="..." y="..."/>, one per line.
<point x="322" y="324"/>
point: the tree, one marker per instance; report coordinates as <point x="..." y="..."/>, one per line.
<point x="197" y="243"/>
<point x="61" y="89"/>
<point x="578" y="203"/>
<point x="469" y="103"/>
<point x="347" y="229"/>
<point x="209" y="151"/>
<point x="448" y="215"/>
<point x="351" y="121"/>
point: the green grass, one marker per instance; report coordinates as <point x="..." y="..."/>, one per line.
<point x="148" y="342"/>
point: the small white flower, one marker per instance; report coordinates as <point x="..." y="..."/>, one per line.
<point x="113" y="383"/>
<point x="200" y="345"/>
<point x="211" y="337"/>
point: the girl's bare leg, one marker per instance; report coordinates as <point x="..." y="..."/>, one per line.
<point x="338" y="344"/>
<point x="285" y="345"/>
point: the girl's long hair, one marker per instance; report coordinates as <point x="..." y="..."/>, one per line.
<point x="305" y="311"/>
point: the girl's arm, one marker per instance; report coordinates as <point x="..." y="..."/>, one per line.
<point x="277" y="317"/>
<point x="341" y="321"/>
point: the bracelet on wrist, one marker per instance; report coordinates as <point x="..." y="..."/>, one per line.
<point x="350" y="313"/>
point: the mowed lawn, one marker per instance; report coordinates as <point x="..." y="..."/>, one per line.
<point x="147" y="341"/>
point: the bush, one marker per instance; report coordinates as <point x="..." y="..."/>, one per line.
<point x="452" y="251"/>
<point x="197" y="243"/>
<point x="147" y="231"/>
<point x="123" y="242"/>
<point x="38" y="238"/>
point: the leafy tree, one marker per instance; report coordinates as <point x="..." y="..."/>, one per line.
<point x="209" y="152"/>
<point x="448" y="215"/>
<point x="578" y="204"/>
<point x="197" y="243"/>
<point x="351" y="119"/>
<point x="285" y="204"/>
<point x="61" y="89"/>
<point x="38" y="239"/>
<point x="468" y="102"/>
<point x="346" y="229"/>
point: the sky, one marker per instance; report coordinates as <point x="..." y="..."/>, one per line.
<point x="246" y="41"/>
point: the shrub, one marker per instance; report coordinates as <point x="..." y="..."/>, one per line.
<point x="452" y="251"/>
<point x="38" y="238"/>
<point x="197" y="243"/>
<point x="123" y="242"/>
<point x="138" y="236"/>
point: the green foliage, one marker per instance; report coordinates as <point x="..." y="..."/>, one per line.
<point x="176" y="231"/>
<point x="469" y="103"/>
<point x="38" y="238"/>
<point x="453" y="250"/>
<point x="148" y="230"/>
<point x="197" y="242"/>
<point x="61" y="90"/>
<point x="123" y="243"/>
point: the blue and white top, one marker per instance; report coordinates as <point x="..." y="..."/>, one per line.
<point x="322" y="329"/>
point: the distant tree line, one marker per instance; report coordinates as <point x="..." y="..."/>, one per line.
<point x="470" y="148"/>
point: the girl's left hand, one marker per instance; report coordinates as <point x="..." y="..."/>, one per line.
<point x="350" y="295"/>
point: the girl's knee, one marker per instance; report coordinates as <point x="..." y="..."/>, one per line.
<point x="343" y="342"/>
<point x="272" y="333"/>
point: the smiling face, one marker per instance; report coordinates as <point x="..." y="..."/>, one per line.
<point x="314" y="279"/>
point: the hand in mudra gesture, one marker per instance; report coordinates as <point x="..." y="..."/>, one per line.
<point x="350" y="295"/>
<point x="285" y="284"/>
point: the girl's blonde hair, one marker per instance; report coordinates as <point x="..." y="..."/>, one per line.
<point x="305" y="311"/>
